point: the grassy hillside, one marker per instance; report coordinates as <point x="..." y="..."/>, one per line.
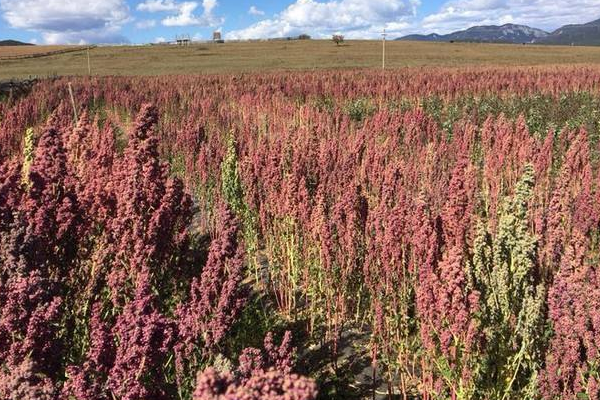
<point x="13" y="43"/>
<point x="288" y="55"/>
<point x="11" y="52"/>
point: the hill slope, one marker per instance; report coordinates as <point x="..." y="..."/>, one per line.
<point x="577" y="34"/>
<point x="13" y="43"/>
<point x="249" y="57"/>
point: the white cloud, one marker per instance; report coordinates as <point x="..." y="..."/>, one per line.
<point x="392" y="29"/>
<point x="145" y="24"/>
<point x="183" y="13"/>
<point x="544" y="14"/>
<point x="255" y="11"/>
<point x="209" y="5"/>
<point x="184" y="17"/>
<point x="66" y="21"/>
<point x="367" y="18"/>
<point x="157" y="6"/>
<point x="160" y="39"/>
<point x="352" y="17"/>
<point x="112" y="35"/>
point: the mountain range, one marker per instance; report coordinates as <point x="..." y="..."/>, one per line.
<point x="577" y="34"/>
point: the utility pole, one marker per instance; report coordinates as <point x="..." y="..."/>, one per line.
<point x="88" y="61"/>
<point x="383" y="57"/>
<point x="73" y="102"/>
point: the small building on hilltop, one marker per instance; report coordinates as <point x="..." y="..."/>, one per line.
<point x="183" y="40"/>
<point x="217" y="37"/>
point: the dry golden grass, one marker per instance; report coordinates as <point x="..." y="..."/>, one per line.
<point x="25" y="51"/>
<point x="290" y="55"/>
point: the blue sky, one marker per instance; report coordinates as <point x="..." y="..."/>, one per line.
<point x="144" y="21"/>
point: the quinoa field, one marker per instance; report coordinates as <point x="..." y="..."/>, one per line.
<point x="420" y="233"/>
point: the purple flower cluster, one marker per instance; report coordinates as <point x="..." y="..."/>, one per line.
<point x="263" y="374"/>
<point x="95" y="301"/>
<point x="264" y="385"/>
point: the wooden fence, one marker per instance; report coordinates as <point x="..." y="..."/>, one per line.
<point x="46" y="54"/>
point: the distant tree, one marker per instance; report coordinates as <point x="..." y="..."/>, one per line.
<point x="304" y="36"/>
<point x="337" y="39"/>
